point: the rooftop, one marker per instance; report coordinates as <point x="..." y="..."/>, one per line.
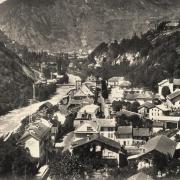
<point x="162" y="144"/>
<point x="147" y="105"/>
<point x="106" y="122"/>
<point x="162" y="107"/>
<point x="92" y="108"/>
<point x="144" y="132"/>
<point x="37" y="130"/>
<point x="173" y="95"/>
<point x="98" y="138"/>
<point x="116" y="78"/>
<point x="124" y="130"/>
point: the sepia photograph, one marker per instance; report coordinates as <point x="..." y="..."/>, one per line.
<point x="89" y="89"/>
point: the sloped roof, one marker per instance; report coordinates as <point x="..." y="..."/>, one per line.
<point x="106" y="122"/>
<point x="84" y="91"/>
<point x="173" y="95"/>
<point x="144" y="132"/>
<point x="83" y="127"/>
<point x="98" y="138"/>
<point x="162" y="107"/>
<point x="127" y="113"/>
<point x="131" y="96"/>
<point x="37" y="130"/>
<point x="147" y="105"/>
<point x="46" y="105"/>
<point x="162" y="144"/>
<point x="124" y="130"/>
<point x="144" y="96"/>
<point x="116" y="78"/>
<point x="92" y="108"/>
<point x="176" y="82"/>
<point x="140" y="176"/>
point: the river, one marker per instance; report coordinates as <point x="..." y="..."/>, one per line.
<point x="12" y="120"/>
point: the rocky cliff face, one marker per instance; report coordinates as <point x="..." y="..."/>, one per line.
<point x="61" y="25"/>
<point x="16" y="78"/>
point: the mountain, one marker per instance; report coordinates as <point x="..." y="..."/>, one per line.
<point x="68" y="25"/>
<point x="16" y="78"/>
<point x="145" y="60"/>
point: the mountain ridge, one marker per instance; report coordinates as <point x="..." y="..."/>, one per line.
<point x="70" y="25"/>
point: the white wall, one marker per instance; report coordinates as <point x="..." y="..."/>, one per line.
<point x="33" y="146"/>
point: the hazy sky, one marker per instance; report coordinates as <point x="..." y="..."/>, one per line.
<point x="2" y="1"/>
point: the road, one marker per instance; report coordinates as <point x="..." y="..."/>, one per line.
<point x="11" y="121"/>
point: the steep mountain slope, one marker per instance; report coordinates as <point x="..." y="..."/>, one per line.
<point x="145" y="60"/>
<point x="58" y="25"/>
<point x="15" y="80"/>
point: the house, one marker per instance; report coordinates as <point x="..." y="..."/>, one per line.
<point x="46" y="107"/>
<point x="86" y="113"/>
<point x="140" y="176"/>
<point x="141" y="133"/>
<point x="37" y="139"/>
<point x="124" y="135"/>
<point x="144" y="109"/>
<point x="82" y="95"/>
<point x="173" y="100"/>
<point x="118" y="81"/>
<point x="144" y="97"/>
<point x="161" y="144"/>
<point x="99" y="147"/>
<point x="107" y="127"/>
<point x="159" y="110"/>
<point x="86" y="129"/>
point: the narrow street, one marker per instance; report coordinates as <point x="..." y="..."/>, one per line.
<point x="11" y="121"/>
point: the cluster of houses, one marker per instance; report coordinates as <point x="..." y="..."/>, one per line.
<point x="156" y="111"/>
<point x="41" y="132"/>
<point x="96" y="131"/>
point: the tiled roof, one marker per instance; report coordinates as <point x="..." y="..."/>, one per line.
<point x="140" y="176"/>
<point x="162" y="144"/>
<point x="116" y="78"/>
<point x="124" y="130"/>
<point x="46" y="105"/>
<point x="127" y="113"/>
<point x="83" y="127"/>
<point x="131" y="96"/>
<point x="147" y="105"/>
<point x="144" y="96"/>
<point x="37" y="130"/>
<point x="92" y="108"/>
<point x="98" y="138"/>
<point x="106" y="122"/>
<point x="162" y="107"/>
<point x="173" y="95"/>
<point x="144" y="132"/>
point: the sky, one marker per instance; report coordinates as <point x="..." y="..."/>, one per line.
<point x="1" y="1"/>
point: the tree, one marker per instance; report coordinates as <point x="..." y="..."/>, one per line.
<point x="165" y="91"/>
<point x="134" y="106"/>
<point x="104" y="89"/>
<point x="23" y="164"/>
<point x="66" y="166"/>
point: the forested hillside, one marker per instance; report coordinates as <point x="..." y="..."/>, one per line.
<point x="145" y="60"/>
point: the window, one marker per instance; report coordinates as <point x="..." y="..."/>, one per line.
<point x="112" y="135"/>
<point x="89" y="128"/>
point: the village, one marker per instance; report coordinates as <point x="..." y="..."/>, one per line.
<point x="111" y="123"/>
